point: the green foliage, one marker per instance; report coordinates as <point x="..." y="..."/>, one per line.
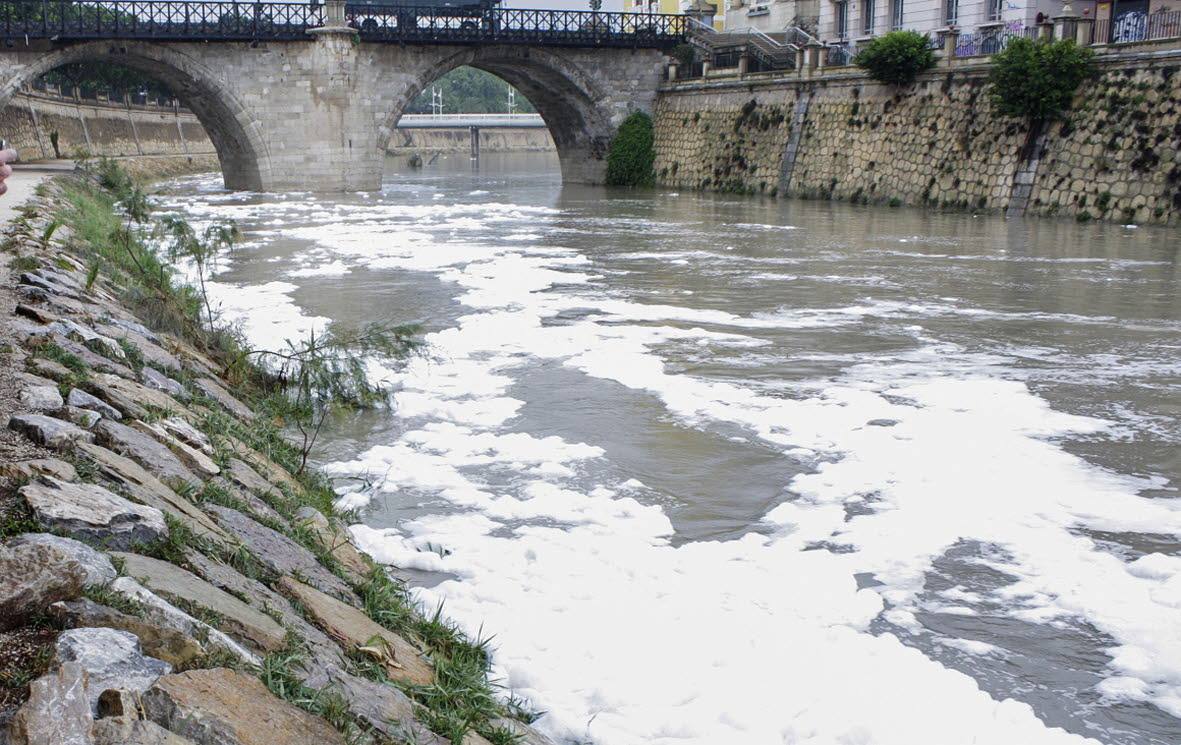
<point x="896" y="58"/>
<point x="185" y="243"/>
<point x="1036" y="80"/>
<point x="684" y="54"/>
<point x="630" y="157"/>
<point x="467" y="90"/>
<point x="87" y="76"/>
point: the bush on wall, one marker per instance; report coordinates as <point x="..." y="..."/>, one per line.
<point x="630" y="158"/>
<point x="1036" y="80"/>
<point x="896" y="58"/>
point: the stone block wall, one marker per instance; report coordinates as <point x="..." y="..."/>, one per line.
<point x="724" y="140"/>
<point x="100" y="128"/>
<point x="1116" y="156"/>
<point x="936" y="144"/>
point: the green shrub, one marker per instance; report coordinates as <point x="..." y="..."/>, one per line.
<point x="1036" y="80"/>
<point x="896" y="58"/>
<point x="684" y="54"/>
<point x="630" y="158"/>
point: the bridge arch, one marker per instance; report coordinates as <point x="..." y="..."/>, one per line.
<point x="242" y="150"/>
<point x="580" y="108"/>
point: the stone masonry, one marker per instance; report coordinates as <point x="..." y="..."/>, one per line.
<point x="936" y="144"/>
<point x="317" y="114"/>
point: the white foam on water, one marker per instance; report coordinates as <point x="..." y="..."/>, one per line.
<point x="623" y="637"/>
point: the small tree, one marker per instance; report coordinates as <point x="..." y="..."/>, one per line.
<point x="630" y="158"/>
<point x="1036" y="80"/>
<point x="896" y="58"/>
<point x="200" y="249"/>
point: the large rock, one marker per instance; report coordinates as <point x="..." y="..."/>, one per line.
<point x="86" y="335"/>
<point x="33" y="576"/>
<point x="525" y="734"/>
<point x="338" y="542"/>
<point x="57" y="711"/>
<point x="145" y="450"/>
<point x="94" y="361"/>
<point x="41" y="398"/>
<point x="214" y="390"/>
<point x="157" y="380"/>
<point x="96" y="566"/>
<point x="84" y="400"/>
<point x="383" y="707"/>
<point x="246" y="477"/>
<point x="131" y="398"/>
<point x="147" y="343"/>
<point x="150" y="490"/>
<point x="322" y="651"/>
<point x="162" y="642"/>
<point x="48" y="431"/>
<point x="129" y="731"/>
<point x="239" y="618"/>
<point x="270" y="470"/>
<point x="161" y="611"/>
<point x="223" y="707"/>
<point x="91" y="512"/>
<point x="111" y="659"/>
<point x="187" y="433"/>
<point x="27" y="470"/>
<point x="257" y="507"/>
<point x="280" y="554"/>
<point x="194" y="459"/>
<point x="84" y="418"/>
<point x="357" y="632"/>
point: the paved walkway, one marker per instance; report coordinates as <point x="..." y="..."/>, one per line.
<point x="24" y="180"/>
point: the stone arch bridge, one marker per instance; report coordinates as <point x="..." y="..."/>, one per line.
<point x="305" y="96"/>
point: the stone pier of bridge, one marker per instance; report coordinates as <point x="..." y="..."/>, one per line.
<point x="316" y="114"/>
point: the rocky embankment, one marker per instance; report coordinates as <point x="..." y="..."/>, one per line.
<point x="164" y="578"/>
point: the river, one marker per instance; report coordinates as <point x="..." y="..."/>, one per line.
<point x="727" y="470"/>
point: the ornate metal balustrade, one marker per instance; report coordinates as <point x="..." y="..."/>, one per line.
<point x="482" y="25"/>
<point x="166" y="20"/>
<point x="177" y="20"/>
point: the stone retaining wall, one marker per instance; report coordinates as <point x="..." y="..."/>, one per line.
<point x="937" y="144"/>
<point x="498" y="140"/>
<point x="99" y="128"/>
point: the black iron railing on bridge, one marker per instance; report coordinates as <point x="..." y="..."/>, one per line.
<point x="166" y="20"/>
<point x="178" y="20"/>
<point x="459" y="25"/>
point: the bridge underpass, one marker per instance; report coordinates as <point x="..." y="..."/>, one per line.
<point x="306" y="97"/>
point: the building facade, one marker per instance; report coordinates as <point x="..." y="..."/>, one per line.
<point x="850" y="21"/>
<point x="771" y="16"/>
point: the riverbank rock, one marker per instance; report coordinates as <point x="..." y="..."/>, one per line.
<point x="83" y="400"/>
<point x="33" y="576"/>
<point x="214" y="390"/>
<point x="111" y="659"/>
<point x="239" y="618"/>
<point x="161" y="642"/>
<point x="57" y="711"/>
<point x="322" y="651"/>
<point x="355" y="631"/>
<point x="153" y="378"/>
<point x="280" y="554"/>
<point x="223" y="707"/>
<point x="194" y="459"/>
<point x="129" y="731"/>
<point x="131" y="397"/>
<point x="145" y="487"/>
<point x="383" y="707"/>
<point x="160" y="611"/>
<point x="28" y="470"/>
<point x="48" y="431"/>
<point x="41" y="398"/>
<point x="91" y="512"/>
<point x="96" y="566"/>
<point x="246" y="477"/>
<point x="146" y="451"/>
<point x="336" y="541"/>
